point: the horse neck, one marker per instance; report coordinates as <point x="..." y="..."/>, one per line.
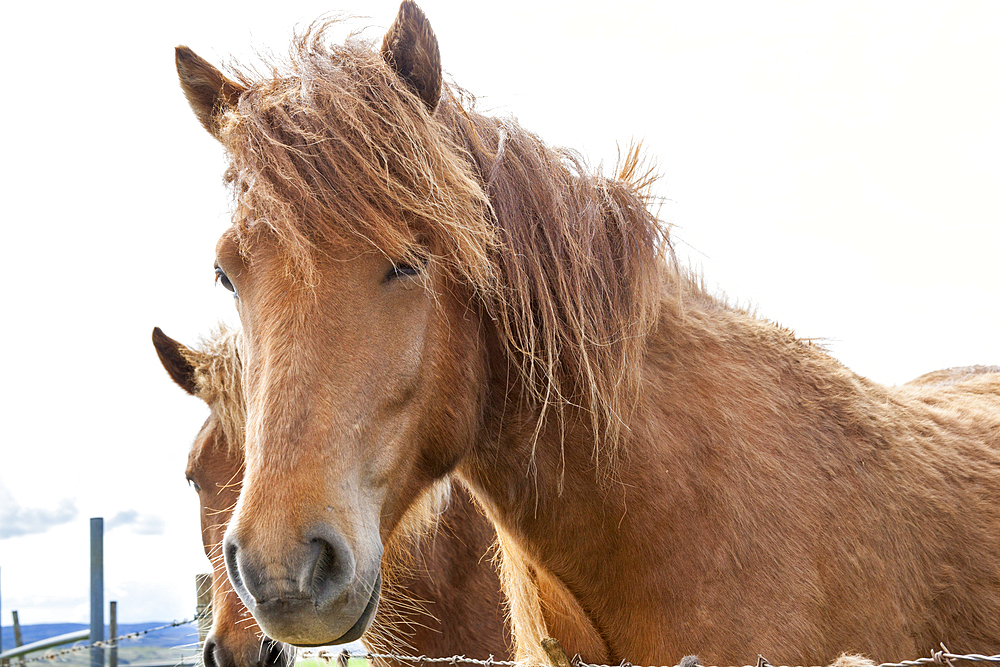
<point x="708" y="371"/>
<point x="712" y="378"/>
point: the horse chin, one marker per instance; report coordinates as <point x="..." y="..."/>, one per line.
<point x="364" y="620"/>
<point x="302" y="623"/>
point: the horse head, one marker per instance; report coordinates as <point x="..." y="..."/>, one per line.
<point x="362" y="369"/>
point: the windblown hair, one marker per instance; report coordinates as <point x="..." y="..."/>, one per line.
<point x="333" y="145"/>
<point x="218" y="374"/>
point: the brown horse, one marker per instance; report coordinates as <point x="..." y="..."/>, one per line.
<point x="423" y="612"/>
<point x="425" y="289"/>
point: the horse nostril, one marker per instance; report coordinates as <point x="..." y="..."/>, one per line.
<point x="325" y="562"/>
<point x="332" y="566"/>
<point x="230" y="549"/>
<point x="208" y="653"/>
<point x="275" y="654"/>
<point x="232" y="555"/>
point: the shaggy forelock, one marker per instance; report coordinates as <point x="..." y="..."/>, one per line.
<point x="332" y="147"/>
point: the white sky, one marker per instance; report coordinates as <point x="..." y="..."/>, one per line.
<point x="836" y="164"/>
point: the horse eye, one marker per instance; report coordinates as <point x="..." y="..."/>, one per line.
<point x="194" y="484"/>
<point x="221" y="277"/>
<point x="402" y="269"/>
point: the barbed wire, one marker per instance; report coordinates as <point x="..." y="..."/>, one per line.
<point x="341" y="657"/>
<point x="943" y="657"/>
<point x="107" y="643"/>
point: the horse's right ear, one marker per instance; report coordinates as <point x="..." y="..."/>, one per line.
<point x="174" y="357"/>
<point x="411" y="49"/>
<point x="207" y="90"/>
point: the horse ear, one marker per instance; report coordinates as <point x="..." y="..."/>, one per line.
<point x="411" y="49"/>
<point x="174" y="357"/>
<point x="207" y="90"/>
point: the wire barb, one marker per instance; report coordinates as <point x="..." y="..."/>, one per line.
<point x="52" y="655"/>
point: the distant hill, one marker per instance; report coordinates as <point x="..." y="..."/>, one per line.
<point x="170" y="647"/>
<point x="183" y="635"/>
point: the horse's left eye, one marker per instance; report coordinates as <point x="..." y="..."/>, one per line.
<point x="221" y="277"/>
<point x="402" y="269"/>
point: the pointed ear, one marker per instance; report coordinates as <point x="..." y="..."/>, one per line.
<point x="207" y="90"/>
<point x="411" y="49"/>
<point x="174" y="357"/>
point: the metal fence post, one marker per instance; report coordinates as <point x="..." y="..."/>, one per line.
<point x="18" y="642"/>
<point x="113" y="634"/>
<point x="96" y="591"/>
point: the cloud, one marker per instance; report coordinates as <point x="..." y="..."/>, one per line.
<point x="141" y="524"/>
<point x="141" y="601"/>
<point x="16" y="521"/>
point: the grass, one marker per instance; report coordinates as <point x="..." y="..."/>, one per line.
<point x="312" y="662"/>
<point x="134" y="655"/>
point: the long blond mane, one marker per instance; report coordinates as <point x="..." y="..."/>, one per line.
<point x="331" y="146"/>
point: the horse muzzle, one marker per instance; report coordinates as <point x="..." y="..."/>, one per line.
<point x="313" y="595"/>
